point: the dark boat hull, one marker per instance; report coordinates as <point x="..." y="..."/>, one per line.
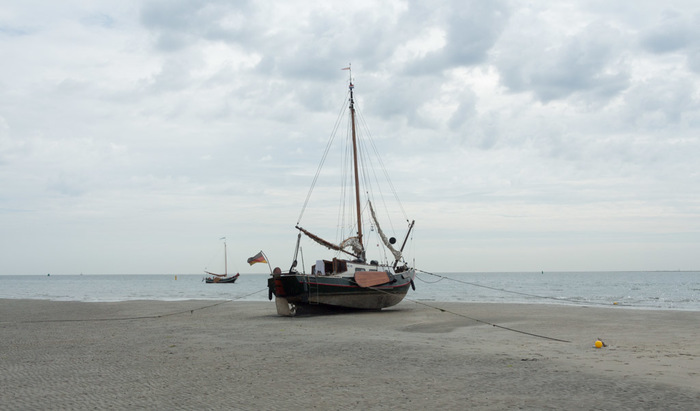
<point x="300" y="289"/>
<point x="217" y="280"/>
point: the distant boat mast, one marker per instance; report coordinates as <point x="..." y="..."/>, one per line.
<point x="225" y="258"/>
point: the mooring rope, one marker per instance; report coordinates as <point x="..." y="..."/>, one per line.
<point x="444" y="310"/>
<point x="560" y="299"/>
<point x="431" y="282"/>
<point x="142" y="317"/>
<point x="486" y="322"/>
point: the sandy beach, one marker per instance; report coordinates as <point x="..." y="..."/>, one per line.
<point x="241" y="355"/>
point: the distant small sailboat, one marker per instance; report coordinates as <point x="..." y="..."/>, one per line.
<point x="221" y="278"/>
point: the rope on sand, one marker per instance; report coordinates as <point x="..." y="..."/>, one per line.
<point x="488" y="323"/>
<point x="472" y="318"/>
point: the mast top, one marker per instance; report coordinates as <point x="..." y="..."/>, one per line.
<point x="349" y="69"/>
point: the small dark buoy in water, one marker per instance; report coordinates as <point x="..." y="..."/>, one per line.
<point x="48" y="275"/>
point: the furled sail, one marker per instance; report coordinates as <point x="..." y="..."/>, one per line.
<point x="326" y="243"/>
<point x="354" y="243"/>
<point x="396" y="253"/>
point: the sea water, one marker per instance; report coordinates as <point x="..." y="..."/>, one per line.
<point x="646" y="290"/>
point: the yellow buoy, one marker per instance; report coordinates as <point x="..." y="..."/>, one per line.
<point x="598" y="344"/>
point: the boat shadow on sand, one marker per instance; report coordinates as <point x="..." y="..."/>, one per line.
<point x="320" y="310"/>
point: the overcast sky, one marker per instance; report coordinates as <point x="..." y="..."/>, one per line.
<point x="521" y="136"/>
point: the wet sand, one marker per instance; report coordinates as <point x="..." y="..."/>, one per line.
<point x="241" y="355"/>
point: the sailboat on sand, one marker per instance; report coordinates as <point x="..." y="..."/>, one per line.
<point x="221" y="278"/>
<point x="349" y="279"/>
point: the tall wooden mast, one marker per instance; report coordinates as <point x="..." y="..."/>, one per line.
<point x="354" y="157"/>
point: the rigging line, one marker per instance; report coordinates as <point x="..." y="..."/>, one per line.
<point x="346" y="205"/>
<point x="323" y="158"/>
<point x="369" y="174"/>
<point x="511" y="292"/>
<point x="444" y="310"/>
<point x="143" y="317"/>
<point x="381" y="162"/>
<point x="366" y="166"/>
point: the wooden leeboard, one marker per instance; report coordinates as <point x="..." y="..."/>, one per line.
<point x="371" y="278"/>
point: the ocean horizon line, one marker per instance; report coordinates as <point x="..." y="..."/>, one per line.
<point x="418" y="271"/>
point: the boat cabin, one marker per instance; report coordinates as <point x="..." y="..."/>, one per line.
<point x="339" y="266"/>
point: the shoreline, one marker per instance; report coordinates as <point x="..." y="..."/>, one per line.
<point x="241" y="355"/>
<point x="646" y="291"/>
<point x="407" y="300"/>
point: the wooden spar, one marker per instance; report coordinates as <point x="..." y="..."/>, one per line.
<point x="325" y="243"/>
<point x="410" y="227"/>
<point x="354" y="157"/>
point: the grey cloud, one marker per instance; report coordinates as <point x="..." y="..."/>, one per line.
<point x="471" y="27"/>
<point x="13" y="31"/>
<point x="658" y="104"/>
<point x="694" y="60"/>
<point x="315" y="48"/>
<point x="676" y="33"/>
<point x="178" y="24"/>
<point x="465" y="111"/>
<point x="99" y="19"/>
<point x="589" y="63"/>
<point x="173" y="76"/>
<point x="402" y="97"/>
